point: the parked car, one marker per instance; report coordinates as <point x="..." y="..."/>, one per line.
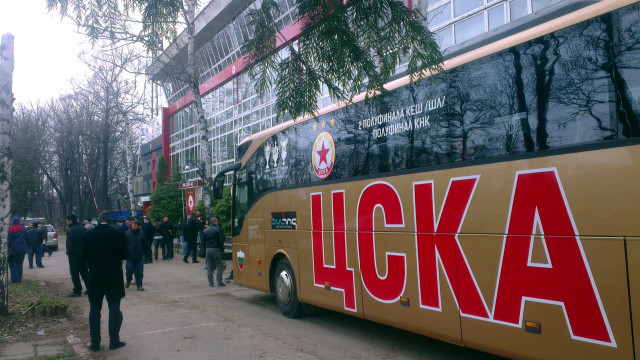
<point x="30" y="220"/>
<point x="52" y="237"/>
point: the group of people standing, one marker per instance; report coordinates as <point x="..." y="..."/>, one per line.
<point x="95" y="255"/>
<point x="30" y="242"/>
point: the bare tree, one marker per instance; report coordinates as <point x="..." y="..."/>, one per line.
<point x="6" y="161"/>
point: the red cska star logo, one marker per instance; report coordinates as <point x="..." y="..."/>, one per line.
<point x="323" y="155"/>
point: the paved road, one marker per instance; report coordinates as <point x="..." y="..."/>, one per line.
<point x="179" y="316"/>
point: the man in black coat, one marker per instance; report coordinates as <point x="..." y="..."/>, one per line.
<point x="149" y="231"/>
<point x="213" y="241"/>
<point x="77" y="266"/>
<point x="35" y="245"/>
<point x="104" y="249"/>
<point x="168" y="233"/>
<point x="136" y="245"/>
<point x="191" y="239"/>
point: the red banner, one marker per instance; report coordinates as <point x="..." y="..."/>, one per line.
<point x="190" y="198"/>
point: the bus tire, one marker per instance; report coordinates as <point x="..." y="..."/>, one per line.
<point x="286" y="289"/>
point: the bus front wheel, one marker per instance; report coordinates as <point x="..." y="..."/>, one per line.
<point x="286" y="289"/>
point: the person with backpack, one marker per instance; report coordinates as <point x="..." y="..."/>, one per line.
<point x="18" y="246"/>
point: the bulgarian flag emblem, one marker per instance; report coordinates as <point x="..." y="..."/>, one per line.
<point x="240" y="256"/>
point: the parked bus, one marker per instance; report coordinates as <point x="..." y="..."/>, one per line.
<point x="494" y="205"/>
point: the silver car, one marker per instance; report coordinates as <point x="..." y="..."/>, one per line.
<point x="52" y="237"/>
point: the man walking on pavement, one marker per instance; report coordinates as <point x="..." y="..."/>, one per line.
<point x="77" y="265"/>
<point x="104" y="249"/>
<point x="35" y="245"/>
<point x="213" y="241"/>
<point x="191" y="239"/>
<point x="136" y="245"/>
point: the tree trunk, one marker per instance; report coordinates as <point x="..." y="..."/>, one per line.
<point x="131" y="168"/>
<point x="6" y="162"/>
<point x="197" y="104"/>
<point x="105" y="141"/>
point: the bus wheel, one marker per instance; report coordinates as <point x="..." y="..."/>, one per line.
<point x="286" y="290"/>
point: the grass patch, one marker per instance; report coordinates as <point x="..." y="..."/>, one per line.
<point x="28" y="295"/>
<point x="24" y="295"/>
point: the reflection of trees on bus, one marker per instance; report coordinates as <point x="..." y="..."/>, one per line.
<point x="599" y="58"/>
<point x="621" y="56"/>
<point x="518" y="81"/>
<point x="544" y="54"/>
<point x="469" y="114"/>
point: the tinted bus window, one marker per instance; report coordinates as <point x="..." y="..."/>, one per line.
<point x="573" y="87"/>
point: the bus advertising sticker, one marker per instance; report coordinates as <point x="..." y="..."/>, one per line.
<point x="323" y="155"/>
<point x="284" y="220"/>
<point x="240" y="256"/>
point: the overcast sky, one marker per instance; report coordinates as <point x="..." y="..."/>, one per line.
<point x="46" y="50"/>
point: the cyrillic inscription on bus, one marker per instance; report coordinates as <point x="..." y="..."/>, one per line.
<point x="538" y="201"/>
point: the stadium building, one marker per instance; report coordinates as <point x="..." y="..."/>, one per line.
<point x="232" y="108"/>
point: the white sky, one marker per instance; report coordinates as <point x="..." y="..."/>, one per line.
<point x="46" y="50"/>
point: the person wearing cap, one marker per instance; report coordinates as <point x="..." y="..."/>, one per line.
<point x="18" y="240"/>
<point x="104" y="249"/>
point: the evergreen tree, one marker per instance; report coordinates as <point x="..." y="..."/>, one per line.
<point x="347" y="46"/>
<point x="166" y="198"/>
<point x="163" y="171"/>
<point x="222" y="209"/>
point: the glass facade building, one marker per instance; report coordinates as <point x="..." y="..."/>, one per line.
<point x="232" y="108"/>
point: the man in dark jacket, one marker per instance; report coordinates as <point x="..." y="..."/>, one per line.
<point x="191" y="239"/>
<point x="44" y="231"/>
<point x="35" y="245"/>
<point x="104" y="249"/>
<point x="168" y="235"/>
<point x="77" y="266"/>
<point x="136" y="245"/>
<point x="213" y="241"/>
<point x="149" y="231"/>
<point x="18" y="240"/>
<point x="158" y="239"/>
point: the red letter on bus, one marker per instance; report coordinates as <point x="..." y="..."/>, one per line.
<point x="538" y="201"/>
<point x="339" y="275"/>
<point x="387" y="288"/>
<point x="438" y="242"/>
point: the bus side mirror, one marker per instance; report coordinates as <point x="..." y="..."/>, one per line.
<point x="218" y="184"/>
<point x="218" y="181"/>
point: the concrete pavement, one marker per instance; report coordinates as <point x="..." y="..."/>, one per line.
<point x="157" y="321"/>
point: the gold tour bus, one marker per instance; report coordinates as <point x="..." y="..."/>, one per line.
<point x="495" y="205"/>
